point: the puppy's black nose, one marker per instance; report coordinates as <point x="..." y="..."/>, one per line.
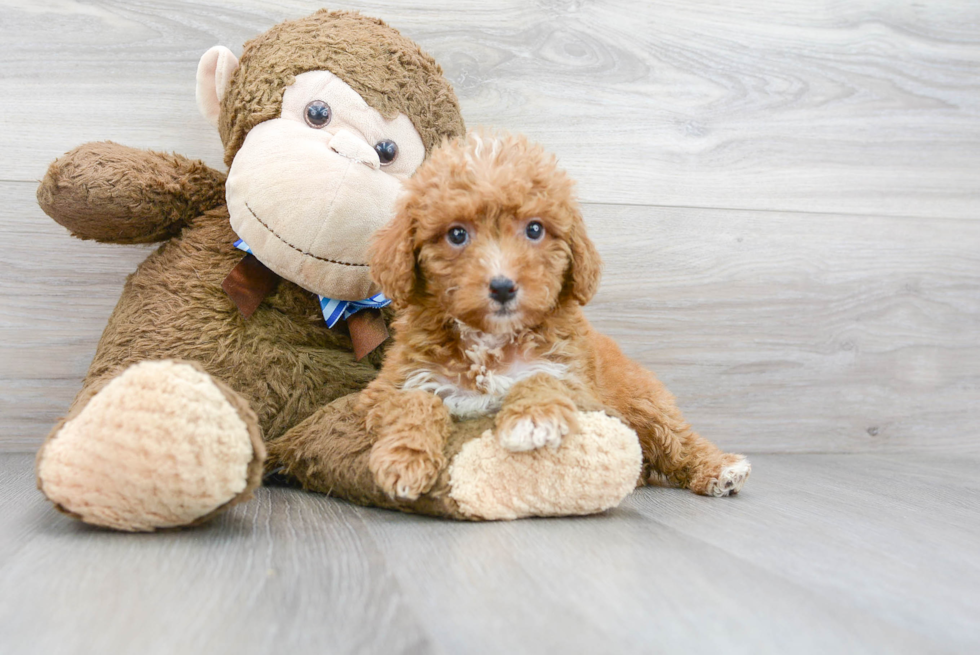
<point x="502" y="289"/>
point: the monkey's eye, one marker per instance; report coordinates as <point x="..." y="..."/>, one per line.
<point x="387" y="151"/>
<point x="457" y="235"/>
<point x="317" y="114"/>
<point x="534" y="230"/>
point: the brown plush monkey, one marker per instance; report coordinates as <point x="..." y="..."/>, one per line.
<point x="322" y="119"/>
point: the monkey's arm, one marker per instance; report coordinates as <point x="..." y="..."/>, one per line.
<point x="115" y="194"/>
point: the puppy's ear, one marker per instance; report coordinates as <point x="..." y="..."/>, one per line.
<point x="586" y="267"/>
<point x="393" y="259"/>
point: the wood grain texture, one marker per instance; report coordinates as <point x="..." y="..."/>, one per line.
<point x="894" y="536"/>
<point x="777" y="332"/>
<point x="289" y="571"/>
<point x="813" y="335"/>
<point x="849" y="554"/>
<point x="57" y="295"/>
<point x="794" y="332"/>
<point x="859" y="107"/>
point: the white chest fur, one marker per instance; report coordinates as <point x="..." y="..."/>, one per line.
<point x="491" y="377"/>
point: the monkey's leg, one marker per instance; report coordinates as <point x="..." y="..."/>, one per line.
<point x="592" y="471"/>
<point x="670" y="447"/>
<point x="160" y="445"/>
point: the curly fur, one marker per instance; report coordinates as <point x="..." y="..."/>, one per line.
<point x="452" y="337"/>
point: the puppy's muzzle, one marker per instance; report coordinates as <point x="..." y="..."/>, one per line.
<point x="502" y="289"/>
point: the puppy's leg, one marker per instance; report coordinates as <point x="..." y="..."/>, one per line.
<point x="412" y="428"/>
<point x="673" y="449"/>
<point x="670" y="447"/>
<point x="537" y="412"/>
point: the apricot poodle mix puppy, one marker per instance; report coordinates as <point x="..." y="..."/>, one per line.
<point x="488" y="265"/>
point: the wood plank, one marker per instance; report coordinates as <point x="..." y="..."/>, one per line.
<point x="787" y="332"/>
<point x="58" y="293"/>
<point x="777" y="332"/>
<point x="883" y="534"/>
<point x="864" y="107"/>
<point x="304" y="573"/>
<point x="288" y="571"/>
<point x="615" y="583"/>
<point x="23" y="511"/>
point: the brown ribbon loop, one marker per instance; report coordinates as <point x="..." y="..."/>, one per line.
<point x="367" y="331"/>
<point x="249" y="283"/>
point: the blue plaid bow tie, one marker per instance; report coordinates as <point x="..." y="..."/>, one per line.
<point x="334" y="310"/>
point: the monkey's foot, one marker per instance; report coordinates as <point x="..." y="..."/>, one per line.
<point x="162" y="445"/>
<point x="593" y="470"/>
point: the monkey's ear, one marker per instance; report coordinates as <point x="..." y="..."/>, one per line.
<point x="214" y="73"/>
<point x="393" y="259"/>
<point x="586" y="267"/>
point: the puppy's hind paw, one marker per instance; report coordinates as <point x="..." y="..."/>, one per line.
<point x="529" y="434"/>
<point x="730" y="479"/>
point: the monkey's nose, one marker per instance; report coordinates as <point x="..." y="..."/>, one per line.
<point x="502" y="289"/>
<point x="346" y="144"/>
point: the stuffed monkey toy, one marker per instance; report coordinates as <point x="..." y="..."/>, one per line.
<point x="247" y="330"/>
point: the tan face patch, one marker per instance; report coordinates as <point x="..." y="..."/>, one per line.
<point x="307" y="197"/>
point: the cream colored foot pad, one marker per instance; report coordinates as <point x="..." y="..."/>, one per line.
<point x="159" y="446"/>
<point x="589" y="472"/>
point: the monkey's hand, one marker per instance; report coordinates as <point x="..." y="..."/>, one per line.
<point x="115" y="194"/>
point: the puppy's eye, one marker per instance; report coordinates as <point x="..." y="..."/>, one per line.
<point x="457" y="235"/>
<point x="534" y="230"/>
<point x="387" y="151"/>
<point x="317" y="114"/>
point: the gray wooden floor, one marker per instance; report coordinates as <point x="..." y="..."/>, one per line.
<point x="820" y="554"/>
<point x="787" y="198"/>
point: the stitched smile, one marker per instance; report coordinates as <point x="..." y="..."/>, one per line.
<point x="299" y="250"/>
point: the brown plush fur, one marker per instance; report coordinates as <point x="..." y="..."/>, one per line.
<point x="390" y="72"/>
<point x="283" y="362"/>
<point x="111" y="193"/>
<point x="451" y="330"/>
<point x="329" y="452"/>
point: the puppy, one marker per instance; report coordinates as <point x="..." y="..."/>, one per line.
<point x="488" y="265"/>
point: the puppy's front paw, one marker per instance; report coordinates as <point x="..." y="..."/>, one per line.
<point x="729" y="479"/>
<point x="522" y="433"/>
<point x="402" y="471"/>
